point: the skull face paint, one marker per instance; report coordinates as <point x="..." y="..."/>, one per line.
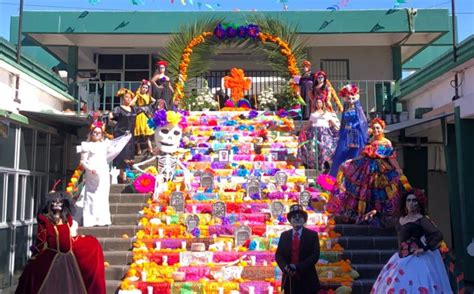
<point x="297" y="221"/>
<point x="57" y="205"/>
<point x="168" y="137"/>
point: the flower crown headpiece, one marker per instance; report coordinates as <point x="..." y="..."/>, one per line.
<point x="379" y="121"/>
<point x="162" y="117"/>
<point x="321" y="73"/>
<point x="349" y="90"/>
<point x="161" y="63"/>
<point x="306" y="63"/>
<point x="146" y="82"/>
<point x="122" y="91"/>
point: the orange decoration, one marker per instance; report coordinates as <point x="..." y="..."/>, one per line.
<point x="237" y="83"/>
<point x="284" y="47"/>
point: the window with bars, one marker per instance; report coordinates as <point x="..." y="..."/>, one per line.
<point x="336" y="69"/>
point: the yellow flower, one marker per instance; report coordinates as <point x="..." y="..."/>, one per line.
<point x="173" y="117"/>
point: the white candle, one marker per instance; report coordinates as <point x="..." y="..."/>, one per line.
<point x="325" y="219"/>
<point x="161" y="233"/>
<point x="232" y="198"/>
<point x="286" y="196"/>
<point x="265" y="263"/>
<point x="229" y="245"/>
<point x="330" y="274"/>
<point x="165" y="260"/>
<point x="221" y="290"/>
<point x="252" y="260"/>
<point x="251" y="290"/>
<point x="158" y="245"/>
<point x="168" y="219"/>
<point x="270" y="289"/>
<point x="183" y="245"/>
<point x="150" y="289"/>
<point x="194" y="209"/>
<point x="328" y="244"/>
<point x="144" y="276"/>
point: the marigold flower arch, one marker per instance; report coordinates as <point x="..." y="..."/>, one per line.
<point x="284" y="47"/>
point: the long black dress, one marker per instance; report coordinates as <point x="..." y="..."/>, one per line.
<point x="306" y="87"/>
<point x="125" y="122"/>
<point x="407" y="273"/>
<point x="163" y="92"/>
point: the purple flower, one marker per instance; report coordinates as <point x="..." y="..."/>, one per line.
<point x="242" y="32"/>
<point x="253" y="114"/>
<point x="159" y="118"/>
<point x="282" y="113"/>
<point x="231" y="32"/>
<point x="196" y="232"/>
<point x="219" y="31"/>
<point x="253" y="31"/>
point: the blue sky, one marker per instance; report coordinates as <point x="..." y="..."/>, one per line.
<point x="464" y="8"/>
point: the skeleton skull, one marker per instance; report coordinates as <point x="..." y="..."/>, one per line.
<point x="168" y="137"/>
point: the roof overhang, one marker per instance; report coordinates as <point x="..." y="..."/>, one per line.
<point x="58" y="119"/>
<point x="58" y="30"/>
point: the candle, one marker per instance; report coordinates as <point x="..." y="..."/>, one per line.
<point x="161" y="233"/>
<point x="158" y="245"/>
<point x="149" y="289"/>
<point x="144" y="276"/>
<point x="168" y="219"/>
<point x="325" y="219"/>
<point x="221" y="290"/>
<point x="251" y="290"/>
<point x="265" y="263"/>
<point x="330" y="274"/>
<point x="270" y="289"/>
<point x="252" y="260"/>
<point x="328" y="244"/>
<point x="183" y="245"/>
<point x="194" y="209"/>
<point x="165" y="260"/>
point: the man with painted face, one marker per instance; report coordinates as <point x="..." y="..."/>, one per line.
<point x="297" y="254"/>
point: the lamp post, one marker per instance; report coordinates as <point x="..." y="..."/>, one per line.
<point x="18" y="51"/>
<point x="454" y="83"/>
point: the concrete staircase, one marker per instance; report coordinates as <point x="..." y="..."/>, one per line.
<point x="124" y="208"/>
<point x="369" y="249"/>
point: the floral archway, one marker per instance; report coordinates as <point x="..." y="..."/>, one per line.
<point x="195" y="43"/>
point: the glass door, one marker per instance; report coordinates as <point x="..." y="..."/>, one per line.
<point x="112" y="81"/>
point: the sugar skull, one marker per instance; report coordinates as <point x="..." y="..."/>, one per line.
<point x="168" y="137"/>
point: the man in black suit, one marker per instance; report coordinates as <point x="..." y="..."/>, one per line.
<point x="297" y="255"/>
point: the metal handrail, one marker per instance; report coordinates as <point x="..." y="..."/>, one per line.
<point x="376" y="96"/>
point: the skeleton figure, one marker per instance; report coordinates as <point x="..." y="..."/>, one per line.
<point x="167" y="139"/>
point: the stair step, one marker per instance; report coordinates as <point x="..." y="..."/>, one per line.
<point x="368" y="271"/>
<point x="112" y="286"/>
<point x="126" y="219"/>
<point x="382" y="242"/>
<point x="126" y="208"/>
<point x="110" y="231"/>
<point x="121" y="188"/>
<point x="118" y="257"/>
<point x="115" y="244"/>
<point x="368" y="256"/>
<point x="116" y="272"/>
<point x="362" y="286"/>
<point x="128" y="197"/>
<point x="351" y="230"/>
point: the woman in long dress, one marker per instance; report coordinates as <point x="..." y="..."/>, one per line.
<point x="162" y="88"/>
<point x="142" y="131"/>
<point x="353" y="133"/>
<point x="62" y="261"/>
<point x="418" y="266"/>
<point x="306" y="83"/>
<point x="321" y="133"/>
<point x="371" y="181"/>
<point x="124" y="116"/>
<point x="96" y="154"/>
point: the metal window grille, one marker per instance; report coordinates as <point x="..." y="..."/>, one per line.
<point x="336" y="69"/>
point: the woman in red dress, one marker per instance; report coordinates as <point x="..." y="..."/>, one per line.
<point x="61" y="261"/>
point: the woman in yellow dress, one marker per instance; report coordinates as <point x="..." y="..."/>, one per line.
<point x="142" y="131"/>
